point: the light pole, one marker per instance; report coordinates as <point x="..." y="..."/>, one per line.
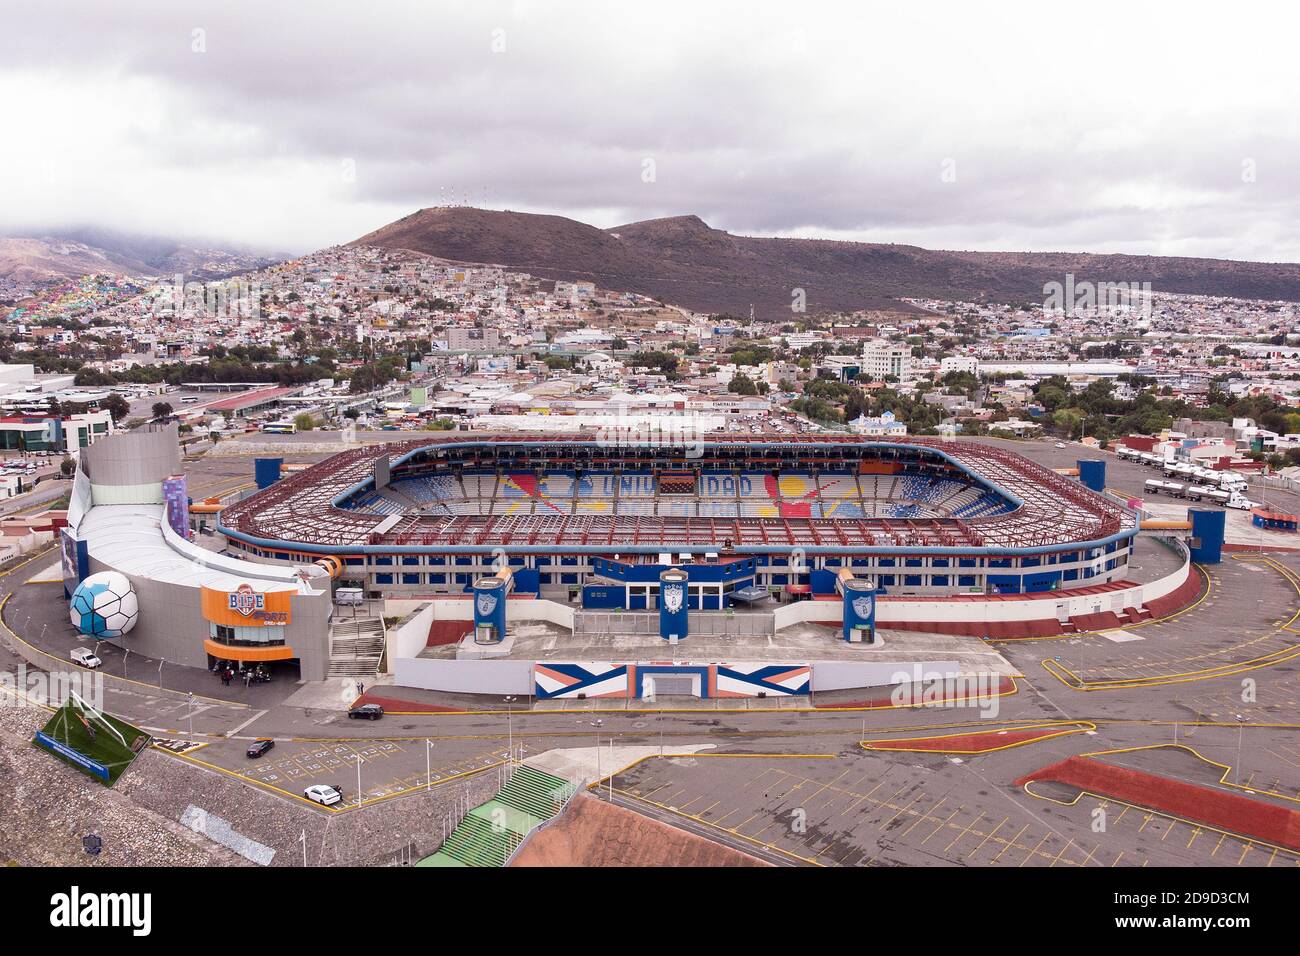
<point x="1241" y="724"/>
<point x="358" y="756"/>
<point x="510" y="737"/>
<point x="428" y="766"/>
<point x="303" y="840"/>
<point x="160" y="667"/>
<point x="189" y="711"/>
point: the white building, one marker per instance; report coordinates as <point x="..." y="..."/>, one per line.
<point x="881" y="359"/>
<point x="959" y="363"/>
<point x="886" y="426"/>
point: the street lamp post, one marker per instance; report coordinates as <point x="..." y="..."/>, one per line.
<point x="510" y="738"/>
<point x="428" y="766"/>
<point x="1241" y="724"/>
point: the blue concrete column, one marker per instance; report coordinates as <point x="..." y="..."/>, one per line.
<point x="490" y="609"/>
<point x="674" y="616"/>
<point x="1207" y="530"/>
<point x="859" y="608"/>
<point x="1092" y="473"/>
<point x="266" y="471"/>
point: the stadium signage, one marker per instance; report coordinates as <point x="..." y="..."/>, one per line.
<point x="76" y="756"/>
<point x="245" y="600"/>
<point x="246" y="606"/>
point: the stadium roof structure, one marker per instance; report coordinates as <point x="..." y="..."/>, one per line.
<point x="137" y="540"/>
<point x="1049" y="512"/>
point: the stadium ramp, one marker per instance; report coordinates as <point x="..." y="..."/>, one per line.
<point x="491" y="833"/>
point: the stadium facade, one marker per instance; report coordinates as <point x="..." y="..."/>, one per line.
<point x="573" y="517"/>
<point x="570" y="533"/>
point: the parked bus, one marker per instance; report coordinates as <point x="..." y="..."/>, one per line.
<point x="279" y="428"/>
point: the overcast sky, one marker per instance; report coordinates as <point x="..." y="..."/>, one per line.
<point x="1147" y="128"/>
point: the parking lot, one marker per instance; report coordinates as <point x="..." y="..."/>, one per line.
<point x="388" y="767"/>
<point x="872" y="810"/>
<point x="1245" y="622"/>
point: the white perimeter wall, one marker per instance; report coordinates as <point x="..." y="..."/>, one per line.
<point x="842" y="675"/>
<point x="462" y="609"/>
<point x="408" y="639"/>
<point x="1049" y="607"/>
<point x="465" y="677"/>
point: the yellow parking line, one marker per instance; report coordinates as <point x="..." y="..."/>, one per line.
<point x="923" y="816"/>
<point x="1011" y="844"/>
<point x="987" y="838"/>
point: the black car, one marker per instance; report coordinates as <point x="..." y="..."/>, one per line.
<point x="368" y="711"/>
<point x="259" y="747"/>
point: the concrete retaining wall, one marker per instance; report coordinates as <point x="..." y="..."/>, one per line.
<point x="465" y="677"/>
<point x="412" y="635"/>
<point x="845" y="675"/>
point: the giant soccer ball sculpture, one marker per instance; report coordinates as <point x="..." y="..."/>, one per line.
<point x="105" y="605"/>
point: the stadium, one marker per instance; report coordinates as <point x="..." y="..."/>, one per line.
<point x="565" y="566"/>
<point x="916" y="516"/>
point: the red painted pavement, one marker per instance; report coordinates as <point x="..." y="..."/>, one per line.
<point x="1217" y="808"/>
<point x="977" y="743"/>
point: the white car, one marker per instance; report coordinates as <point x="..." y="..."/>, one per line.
<point x="1060" y="444"/>
<point x="85" y="657"/>
<point x="323" y="794"/>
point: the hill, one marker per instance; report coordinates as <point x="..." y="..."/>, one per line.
<point x="684" y="261"/>
<point x="78" y="252"/>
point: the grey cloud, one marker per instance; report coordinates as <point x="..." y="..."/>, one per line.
<point x="833" y="122"/>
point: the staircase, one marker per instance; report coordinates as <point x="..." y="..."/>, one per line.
<point x="490" y="834"/>
<point x="356" y="646"/>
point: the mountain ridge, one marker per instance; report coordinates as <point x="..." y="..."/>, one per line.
<point x="684" y="261"/>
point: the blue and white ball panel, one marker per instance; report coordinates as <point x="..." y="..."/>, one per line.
<point x="104" y="605"/>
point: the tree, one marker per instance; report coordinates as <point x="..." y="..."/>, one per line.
<point x="304" y="422"/>
<point x="742" y="384"/>
<point x="67" y="466"/>
<point x="116" y="406"/>
<point x="162" y="410"/>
